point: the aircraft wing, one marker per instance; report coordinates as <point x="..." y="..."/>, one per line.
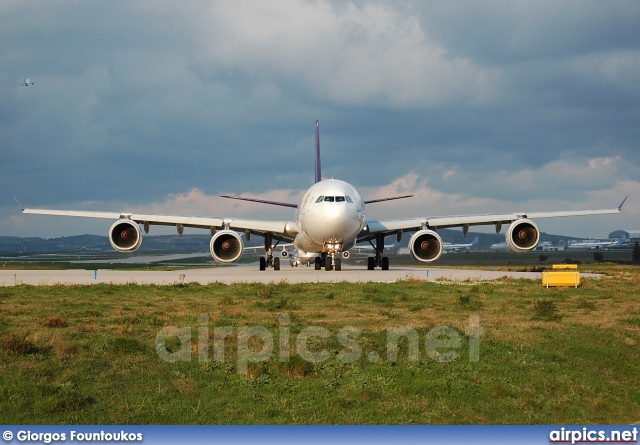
<point x="373" y="228"/>
<point x="284" y="230"/>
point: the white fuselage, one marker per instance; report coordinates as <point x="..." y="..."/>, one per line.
<point x="596" y="244"/>
<point x="329" y="217"/>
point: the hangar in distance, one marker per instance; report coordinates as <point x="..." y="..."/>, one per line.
<point x="329" y="220"/>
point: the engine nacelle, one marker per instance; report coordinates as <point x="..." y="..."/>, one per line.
<point x="523" y="235"/>
<point x="425" y="246"/>
<point x="125" y="236"/>
<point x="346" y="254"/>
<point x="226" y="246"/>
<point x="284" y="254"/>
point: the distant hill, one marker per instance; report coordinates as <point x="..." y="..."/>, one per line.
<point x="11" y="246"/>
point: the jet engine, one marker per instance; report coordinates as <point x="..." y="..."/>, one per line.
<point x="346" y="254"/>
<point x="226" y="246"/>
<point x="284" y="254"/>
<point x="425" y="246"/>
<point x="125" y="236"/>
<point x="523" y="235"/>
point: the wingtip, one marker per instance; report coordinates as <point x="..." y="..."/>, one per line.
<point x="21" y="206"/>
<point x="622" y="203"/>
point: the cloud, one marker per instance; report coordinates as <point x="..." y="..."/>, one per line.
<point x="349" y="54"/>
<point x="449" y="173"/>
<point x="533" y="195"/>
<point x="198" y="203"/>
<point x="427" y="201"/>
<point x="162" y="105"/>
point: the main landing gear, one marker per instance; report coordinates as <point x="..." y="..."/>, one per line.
<point x="269" y="260"/>
<point x="329" y="262"/>
<point x="378" y="260"/>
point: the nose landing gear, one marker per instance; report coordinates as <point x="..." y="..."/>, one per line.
<point x="270" y="260"/>
<point x="329" y="262"/>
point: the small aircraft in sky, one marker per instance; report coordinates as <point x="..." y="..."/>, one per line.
<point x="27" y="82"/>
<point x="329" y="220"/>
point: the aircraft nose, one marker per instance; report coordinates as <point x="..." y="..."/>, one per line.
<point x="341" y="223"/>
<point x="334" y="223"/>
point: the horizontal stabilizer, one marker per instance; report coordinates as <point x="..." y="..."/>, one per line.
<point x="262" y="201"/>
<point x="387" y="199"/>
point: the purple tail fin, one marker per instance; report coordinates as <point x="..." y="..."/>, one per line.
<point x="318" y="168"/>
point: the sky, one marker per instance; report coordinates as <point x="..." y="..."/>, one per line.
<point x="474" y="107"/>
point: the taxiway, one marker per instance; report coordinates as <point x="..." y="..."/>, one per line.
<point x="248" y="274"/>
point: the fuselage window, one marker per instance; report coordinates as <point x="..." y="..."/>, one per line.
<point x="349" y="200"/>
<point x="329" y="198"/>
<point x="320" y="198"/>
<point x="339" y="198"/>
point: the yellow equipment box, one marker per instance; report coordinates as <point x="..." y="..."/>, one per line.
<point x="564" y="266"/>
<point x="568" y="278"/>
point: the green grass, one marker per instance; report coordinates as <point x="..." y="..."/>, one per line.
<point x="87" y="354"/>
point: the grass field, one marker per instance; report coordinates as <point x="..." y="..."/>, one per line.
<point x="87" y="354"/>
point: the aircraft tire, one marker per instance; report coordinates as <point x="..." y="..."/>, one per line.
<point x="371" y="263"/>
<point x="318" y="263"/>
<point x="263" y="263"/>
<point x="385" y="263"/>
<point x="338" y="265"/>
<point x="327" y="264"/>
<point x="276" y="263"/>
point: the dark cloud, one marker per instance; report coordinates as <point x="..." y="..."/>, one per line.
<point x="137" y="102"/>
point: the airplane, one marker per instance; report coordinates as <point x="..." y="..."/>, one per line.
<point x="598" y="244"/>
<point x="329" y="220"/>
<point x="27" y="82"/>
<point x="454" y="247"/>
<point x="298" y="258"/>
<point x="284" y="253"/>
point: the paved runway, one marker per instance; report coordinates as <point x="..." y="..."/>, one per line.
<point x="247" y="274"/>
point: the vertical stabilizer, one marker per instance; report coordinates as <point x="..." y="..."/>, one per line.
<point x="318" y="168"/>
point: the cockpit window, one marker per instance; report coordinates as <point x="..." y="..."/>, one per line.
<point x="349" y="200"/>
<point x="334" y="199"/>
